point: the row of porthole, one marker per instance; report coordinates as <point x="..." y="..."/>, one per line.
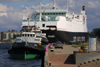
<point x="28" y="35"/>
<point x="52" y="13"/>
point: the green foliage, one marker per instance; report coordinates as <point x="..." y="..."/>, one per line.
<point x="96" y="32"/>
<point x="11" y="30"/>
<point x="81" y="44"/>
<point x="84" y="44"/>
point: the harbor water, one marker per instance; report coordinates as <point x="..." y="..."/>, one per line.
<point x="5" y="61"/>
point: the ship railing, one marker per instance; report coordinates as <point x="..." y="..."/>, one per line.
<point x="44" y="28"/>
<point x="52" y="28"/>
<point x="43" y="34"/>
<point x="38" y="41"/>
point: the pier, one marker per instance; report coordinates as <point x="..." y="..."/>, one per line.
<point x="60" y="57"/>
<point x="70" y="56"/>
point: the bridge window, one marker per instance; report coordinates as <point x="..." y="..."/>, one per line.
<point x="45" y="13"/>
<point x="22" y="34"/>
<point x="28" y="35"/>
<point x="43" y="25"/>
<point x="38" y="36"/>
<point x="31" y="35"/>
<point x="38" y="13"/>
<point x="53" y="13"/>
<point x="42" y="13"/>
<point x="48" y="14"/>
<point x="59" y="13"/>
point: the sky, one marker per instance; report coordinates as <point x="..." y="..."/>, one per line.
<point x="12" y="11"/>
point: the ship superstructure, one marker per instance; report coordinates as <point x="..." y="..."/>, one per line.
<point x="60" y="24"/>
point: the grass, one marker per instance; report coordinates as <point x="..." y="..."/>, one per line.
<point x="84" y="44"/>
<point x="98" y="44"/>
<point x="81" y="44"/>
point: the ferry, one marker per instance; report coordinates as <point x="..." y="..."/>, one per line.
<point x="60" y="24"/>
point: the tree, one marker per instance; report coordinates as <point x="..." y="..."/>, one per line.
<point x="8" y="30"/>
<point x="96" y="32"/>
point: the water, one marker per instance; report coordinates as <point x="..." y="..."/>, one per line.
<point x="5" y="61"/>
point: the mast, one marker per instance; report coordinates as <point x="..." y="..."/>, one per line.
<point x="35" y="23"/>
<point x="40" y="13"/>
<point x="54" y="5"/>
<point x="67" y="6"/>
<point x="28" y="22"/>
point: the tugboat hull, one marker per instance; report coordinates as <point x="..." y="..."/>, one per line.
<point x="20" y="51"/>
<point x="24" y="56"/>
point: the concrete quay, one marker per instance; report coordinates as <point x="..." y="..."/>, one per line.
<point x="61" y="57"/>
<point x="71" y="57"/>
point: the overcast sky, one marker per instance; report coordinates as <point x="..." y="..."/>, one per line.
<point x="11" y="11"/>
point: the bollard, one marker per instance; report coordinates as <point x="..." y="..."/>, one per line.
<point x="98" y="59"/>
<point x="49" y="64"/>
<point x="80" y="63"/>
<point x="89" y="61"/>
<point x="84" y="62"/>
<point x="93" y="60"/>
<point x="85" y="49"/>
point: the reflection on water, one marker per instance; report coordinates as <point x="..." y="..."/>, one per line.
<point x="5" y="61"/>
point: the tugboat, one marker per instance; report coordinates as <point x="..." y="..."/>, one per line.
<point x="28" y="46"/>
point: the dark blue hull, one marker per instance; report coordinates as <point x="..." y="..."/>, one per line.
<point x="54" y="35"/>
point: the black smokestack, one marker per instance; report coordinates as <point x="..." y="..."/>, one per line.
<point x="83" y="8"/>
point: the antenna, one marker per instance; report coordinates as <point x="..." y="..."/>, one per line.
<point x="67" y="5"/>
<point x="29" y="17"/>
<point x="54" y="5"/>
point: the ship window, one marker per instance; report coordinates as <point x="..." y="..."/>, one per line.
<point x="4" y="35"/>
<point x="38" y="31"/>
<point x="56" y="13"/>
<point x="48" y="13"/>
<point x="22" y="34"/>
<point x="42" y="13"/>
<point x="28" y="35"/>
<point x="31" y="35"/>
<point x="45" y="13"/>
<point x="38" y="36"/>
<point x="43" y="25"/>
<point x="77" y="17"/>
<point x="53" y="13"/>
<point x="59" y="13"/>
<point x="38" y="14"/>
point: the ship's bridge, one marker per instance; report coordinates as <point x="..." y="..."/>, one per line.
<point x="49" y="15"/>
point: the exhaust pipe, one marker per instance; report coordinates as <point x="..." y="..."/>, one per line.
<point x="83" y="8"/>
